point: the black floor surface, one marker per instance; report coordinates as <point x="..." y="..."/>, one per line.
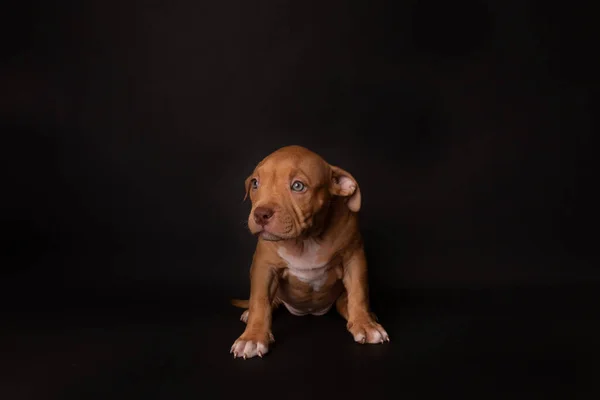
<point x="527" y="342"/>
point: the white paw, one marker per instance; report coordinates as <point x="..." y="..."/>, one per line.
<point x="368" y="332"/>
<point x="249" y="348"/>
<point x="244" y="317"/>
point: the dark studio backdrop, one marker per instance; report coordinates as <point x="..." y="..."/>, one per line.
<point x="128" y="128"/>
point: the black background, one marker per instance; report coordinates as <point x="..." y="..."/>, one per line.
<point x="128" y="128"/>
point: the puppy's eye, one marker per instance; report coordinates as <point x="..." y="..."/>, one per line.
<point x="254" y="184"/>
<point x="298" y="186"/>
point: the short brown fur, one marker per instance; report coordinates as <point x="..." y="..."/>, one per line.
<point x="324" y="214"/>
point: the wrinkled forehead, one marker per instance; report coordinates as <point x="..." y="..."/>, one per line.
<point x="286" y="167"/>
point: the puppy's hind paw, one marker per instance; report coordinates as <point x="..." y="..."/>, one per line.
<point x="244" y="316"/>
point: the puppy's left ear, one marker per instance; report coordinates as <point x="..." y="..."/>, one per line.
<point x="343" y="184"/>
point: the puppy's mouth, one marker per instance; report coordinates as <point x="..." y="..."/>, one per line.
<point x="265" y="234"/>
<point x="269" y="236"/>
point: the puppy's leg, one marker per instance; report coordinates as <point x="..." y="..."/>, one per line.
<point x="341" y="306"/>
<point x="354" y="304"/>
<point x="257" y="336"/>
<point x="274" y="304"/>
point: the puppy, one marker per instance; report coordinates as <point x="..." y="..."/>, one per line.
<point x="309" y="253"/>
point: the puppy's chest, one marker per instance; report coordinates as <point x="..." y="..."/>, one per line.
<point x="312" y="265"/>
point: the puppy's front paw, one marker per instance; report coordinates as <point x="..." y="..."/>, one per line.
<point x="367" y="331"/>
<point x="251" y="344"/>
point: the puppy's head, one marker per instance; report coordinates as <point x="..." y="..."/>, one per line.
<point x="291" y="190"/>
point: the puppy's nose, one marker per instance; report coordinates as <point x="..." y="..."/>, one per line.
<point x="262" y="215"/>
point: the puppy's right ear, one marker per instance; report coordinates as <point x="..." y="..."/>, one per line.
<point x="247" y="183"/>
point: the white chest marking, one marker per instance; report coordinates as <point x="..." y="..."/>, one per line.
<point x="308" y="267"/>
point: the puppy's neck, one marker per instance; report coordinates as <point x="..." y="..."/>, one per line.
<point x="338" y="217"/>
<point x="298" y="245"/>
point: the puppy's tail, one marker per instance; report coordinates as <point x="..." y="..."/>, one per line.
<point x="240" y="303"/>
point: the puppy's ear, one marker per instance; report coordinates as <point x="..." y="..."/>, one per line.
<point x="343" y="184"/>
<point x="247" y="185"/>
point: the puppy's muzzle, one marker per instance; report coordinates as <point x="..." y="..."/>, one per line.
<point x="262" y="215"/>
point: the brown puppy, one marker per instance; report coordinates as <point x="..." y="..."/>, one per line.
<point x="309" y="253"/>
